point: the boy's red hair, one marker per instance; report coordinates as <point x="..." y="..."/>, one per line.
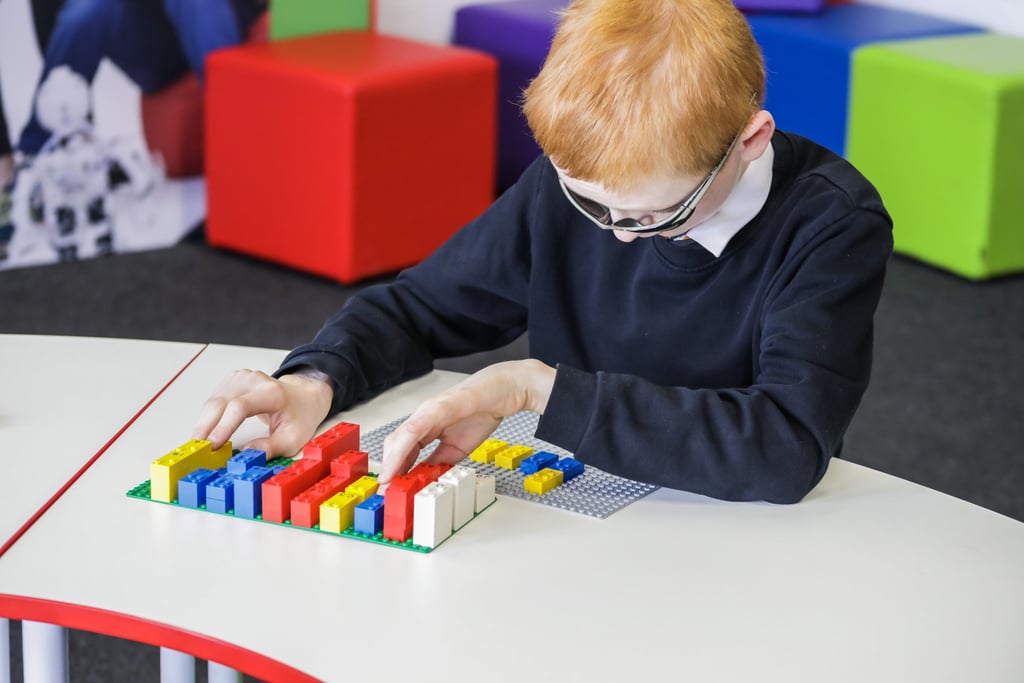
<point x="638" y="88"/>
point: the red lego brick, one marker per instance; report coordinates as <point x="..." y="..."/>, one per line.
<point x="398" y="502"/>
<point x="428" y="473"/>
<point x="279" y="490"/>
<point x="305" y="507"/>
<point x="353" y="463"/>
<point x="342" y="437"/>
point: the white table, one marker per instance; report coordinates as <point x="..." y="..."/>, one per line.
<point x="62" y="399"/>
<point x="870" y="578"/>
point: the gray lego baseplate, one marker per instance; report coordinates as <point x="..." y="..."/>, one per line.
<point x="594" y="493"/>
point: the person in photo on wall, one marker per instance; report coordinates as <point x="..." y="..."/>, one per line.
<point x="155" y="43"/>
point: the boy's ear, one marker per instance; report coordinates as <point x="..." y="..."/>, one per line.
<point x="757" y="135"/>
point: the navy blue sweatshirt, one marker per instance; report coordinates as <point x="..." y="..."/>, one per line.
<point x="733" y="377"/>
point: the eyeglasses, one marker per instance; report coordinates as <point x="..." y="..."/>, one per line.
<point x="601" y="215"/>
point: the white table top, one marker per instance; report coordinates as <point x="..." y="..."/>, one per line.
<point x="870" y="578"/>
<point x="61" y="400"/>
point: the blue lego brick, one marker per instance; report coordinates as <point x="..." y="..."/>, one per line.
<point x="192" y="487"/>
<point x="369" y="516"/>
<point x="570" y="467"/>
<point x="536" y="462"/>
<point x="277" y="468"/>
<point x="249" y="491"/>
<point x="220" y="493"/>
<point x="247" y="459"/>
<point x="808" y="58"/>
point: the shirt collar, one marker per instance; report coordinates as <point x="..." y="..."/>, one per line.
<point x="742" y="204"/>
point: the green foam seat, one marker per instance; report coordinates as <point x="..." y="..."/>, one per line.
<point x="296" y="18"/>
<point x="938" y="125"/>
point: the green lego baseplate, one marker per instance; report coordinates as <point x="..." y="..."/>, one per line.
<point x="142" y="492"/>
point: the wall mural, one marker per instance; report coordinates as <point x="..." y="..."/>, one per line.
<point x="101" y="122"/>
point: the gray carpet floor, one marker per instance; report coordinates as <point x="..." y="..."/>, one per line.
<point x="943" y="409"/>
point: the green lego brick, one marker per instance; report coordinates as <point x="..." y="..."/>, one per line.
<point x="142" y="492"/>
<point x="937" y="125"/>
<point x="295" y="18"/>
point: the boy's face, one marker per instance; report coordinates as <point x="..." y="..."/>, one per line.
<point x="659" y="198"/>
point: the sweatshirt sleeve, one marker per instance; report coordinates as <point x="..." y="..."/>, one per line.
<point x="768" y="441"/>
<point x="469" y="295"/>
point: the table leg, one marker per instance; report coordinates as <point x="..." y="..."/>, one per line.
<point x="5" y="651"/>
<point x="176" y="667"/>
<point x="44" y="650"/>
<point x="218" y="673"/>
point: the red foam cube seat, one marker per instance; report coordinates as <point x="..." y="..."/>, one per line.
<point x="347" y="154"/>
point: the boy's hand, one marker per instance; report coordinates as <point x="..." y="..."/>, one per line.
<point x="466" y="414"/>
<point x="292" y="407"/>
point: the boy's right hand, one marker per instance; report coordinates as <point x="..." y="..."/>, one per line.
<point x="292" y="407"/>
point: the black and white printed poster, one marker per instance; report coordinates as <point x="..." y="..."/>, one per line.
<point x="101" y="122"/>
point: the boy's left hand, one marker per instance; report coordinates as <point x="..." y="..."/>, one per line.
<point x="465" y="415"/>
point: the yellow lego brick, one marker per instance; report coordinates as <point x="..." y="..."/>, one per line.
<point x="165" y="471"/>
<point x="338" y="511"/>
<point x="511" y="457"/>
<point x="484" y="453"/>
<point x="543" y="481"/>
<point x="364" y="487"/>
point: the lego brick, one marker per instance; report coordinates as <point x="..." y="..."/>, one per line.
<point x="363" y="487"/>
<point x="350" y="464"/>
<point x="192" y="487"/>
<point x="510" y="458"/>
<point x="542" y="482"/>
<point x="248" y="491"/>
<point x="808" y="59"/>
<point x="247" y="459"/>
<point x="432" y="516"/>
<point x="537" y="462"/>
<point x="369" y="516"/>
<point x="945" y="113"/>
<point x="278" y="491"/>
<point x="428" y="473"/>
<point x="463" y="483"/>
<point x="398" y="506"/>
<point x="569" y="467"/>
<point x="220" y="493"/>
<point x="164" y="472"/>
<point x="342" y="437"/>
<point x="337" y="512"/>
<point x="379" y="112"/>
<point x="485" y="487"/>
<point x="305" y="507"/>
<point x="485" y="452"/>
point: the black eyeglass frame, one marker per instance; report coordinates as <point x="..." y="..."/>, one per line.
<point x="682" y="214"/>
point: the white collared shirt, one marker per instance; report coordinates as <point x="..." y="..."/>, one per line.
<point x="742" y="204"/>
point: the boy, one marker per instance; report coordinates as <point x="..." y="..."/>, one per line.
<point x="698" y="288"/>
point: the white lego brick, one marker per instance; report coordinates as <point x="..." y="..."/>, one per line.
<point x="463" y="480"/>
<point x="485" y="486"/>
<point x="432" y="514"/>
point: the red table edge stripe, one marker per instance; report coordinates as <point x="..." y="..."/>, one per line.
<point x="60" y="492"/>
<point x="151" y="632"/>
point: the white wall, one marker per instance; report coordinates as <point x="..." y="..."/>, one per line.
<point x="1000" y="16"/>
<point x="433" y="20"/>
